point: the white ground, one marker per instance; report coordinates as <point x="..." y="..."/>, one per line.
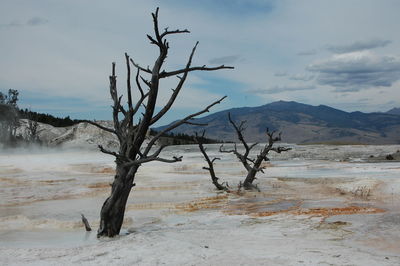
<point x="175" y="217"/>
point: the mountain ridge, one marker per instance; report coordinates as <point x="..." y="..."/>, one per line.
<point x="301" y="123"/>
<point x="394" y="111"/>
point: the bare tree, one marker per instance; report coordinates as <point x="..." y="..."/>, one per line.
<point x="253" y="165"/>
<point x="32" y="130"/>
<point x="133" y="150"/>
<point x="9" y="120"/>
<point x="210" y="163"/>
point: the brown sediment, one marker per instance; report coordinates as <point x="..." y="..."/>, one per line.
<point x="99" y="185"/>
<point x="178" y="186"/>
<point x="10" y="170"/>
<point x="30" y="200"/>
<point x="264" y="206"/>
<point x="151" y="206"/>
<point x="348" y="210"/>
<point x="14" y="181"/>
<point x="103" y="170"/>
<point x="93" y="168"/>
<point x="57" y="181"/>
<point x="266" y="164"/>
<point x="214" y="202"/>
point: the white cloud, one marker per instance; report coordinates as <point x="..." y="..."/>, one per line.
<point x="70" y="55"/>
<point x="358" y="46"/>
<point x="358" y="70"/>
<point x="301" y="77"/>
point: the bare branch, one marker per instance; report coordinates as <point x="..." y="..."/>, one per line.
<point x="138" y="83"/>
<point x="216" y="158"/>
<point x="239" y="131"/>
<point x="195" y="124"/>
<point x="100" y="126"/>
<point x="166" y="32"/>
<point x="210" y="163"/>
<point x="152" y="159"/>
<point x="152" y="41"/>
<point x="280" y="149"/>
<point x="118" y="156"/>
<point x="86" y="223"/>
<point x="142" y="95"/>
<point x="139" y="67"/>
<point x="128" y="82"/>
<point x="225" y="151"/>
<point x="155" y="22"/>
<point x="184" y="70"/>
<point x="177" y="89"/>
<point x="146" y="82"/>
<point x="253" y="145"/>
<point x="178" y="123"/>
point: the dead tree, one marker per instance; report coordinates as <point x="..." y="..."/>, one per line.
<point x="132" y="122"/>
<point x="32" y="129"/>
<point x="252" y="165"/>
<point x="9" y="119"/>
<point x="210" y="163"/>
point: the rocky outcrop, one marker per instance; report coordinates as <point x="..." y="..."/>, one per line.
<point x="82" y="135"/>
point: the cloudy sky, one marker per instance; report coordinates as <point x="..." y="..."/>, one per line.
<point x="344" y="53"/>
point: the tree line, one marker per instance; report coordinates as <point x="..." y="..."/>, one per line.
<point x="48" y="118"/>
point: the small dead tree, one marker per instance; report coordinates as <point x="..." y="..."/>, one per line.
<point x="32" y="129"/>
<point x="133" y="150"/>
<point x="210" y="163"/>
<point x="252" y="165"/>
<point x="9" y="119"/>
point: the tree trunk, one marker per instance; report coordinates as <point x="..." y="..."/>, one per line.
<point x="248" y="182"/>
<point x="113" y="210"/>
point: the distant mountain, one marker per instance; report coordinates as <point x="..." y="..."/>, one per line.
<point x="301" y="123"/>
<point x="394" y="111"/>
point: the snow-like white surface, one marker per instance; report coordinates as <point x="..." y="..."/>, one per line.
<point x="43" y="193"/>
<point x="82" y="135"/>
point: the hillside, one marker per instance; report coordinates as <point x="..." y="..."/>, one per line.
<point x="81" y="135"/>
<point x="302" y="123"/>
<point x="394" y="111"/>
<point x="84" y="135"/>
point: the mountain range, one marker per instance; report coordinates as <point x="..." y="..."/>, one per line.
<point x="301" y="123"/>
<point x="394" y="111"/>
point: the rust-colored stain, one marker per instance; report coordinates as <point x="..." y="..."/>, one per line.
<point x="100" y="185"/>
<point x="93" y="168"/>
<point x="57" y="181"/>
<point x="262" y="207"/>
<point x="151" y="206"/>
<point x="203" y="203"/>
<point x="103" y="170"/>
<point x="326" y="212"/>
